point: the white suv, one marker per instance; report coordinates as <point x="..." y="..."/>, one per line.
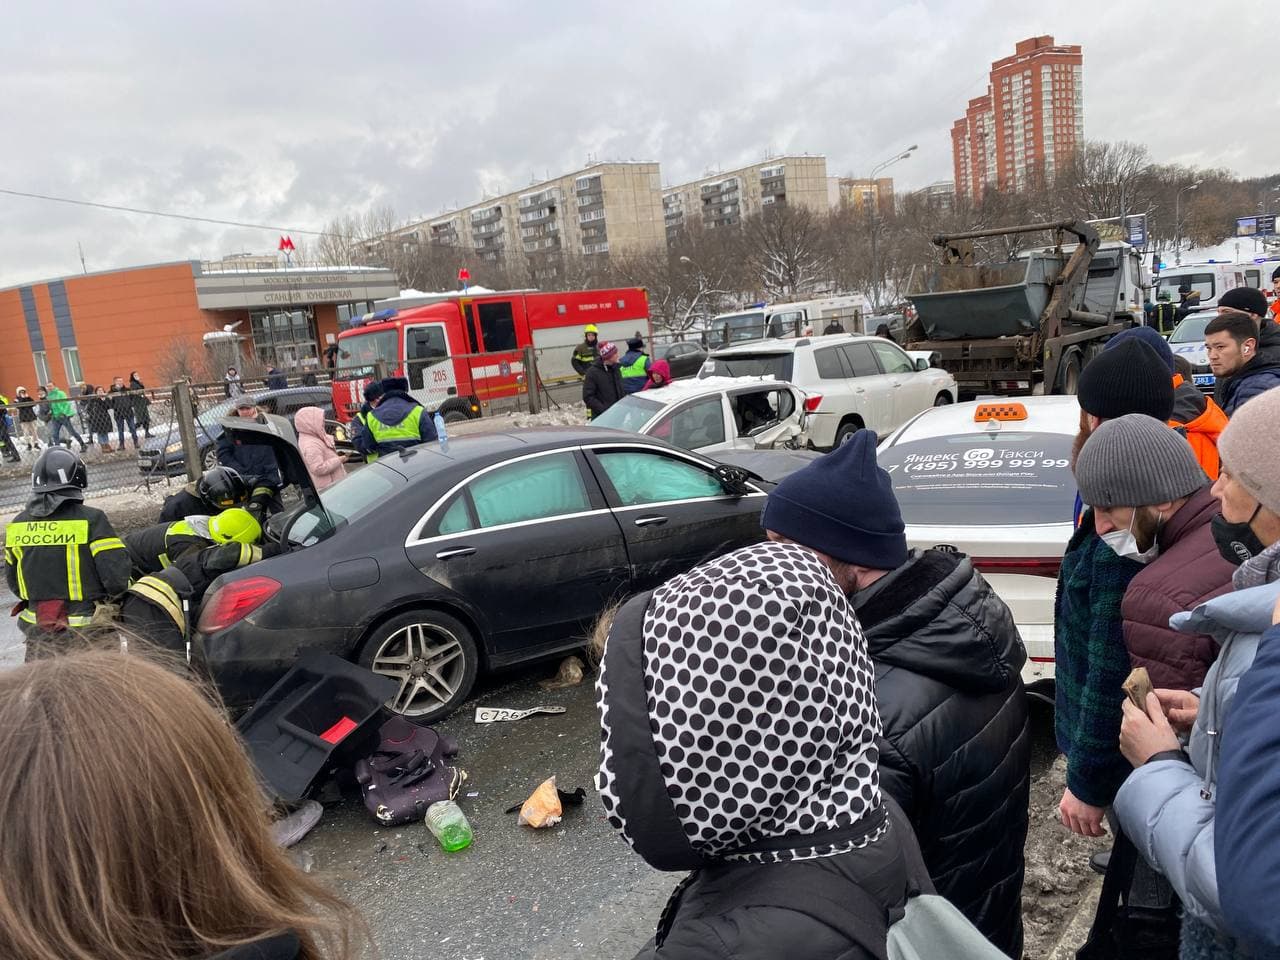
<point x="850" y="382"/>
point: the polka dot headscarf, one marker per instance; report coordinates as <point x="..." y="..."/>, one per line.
<point x="758" y="692"/>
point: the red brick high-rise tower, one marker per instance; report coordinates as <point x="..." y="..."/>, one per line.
<point x="1028" y="123"/>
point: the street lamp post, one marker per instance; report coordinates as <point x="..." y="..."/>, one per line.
<point x="1177" y="220"/>
<point x="875" y="208"/>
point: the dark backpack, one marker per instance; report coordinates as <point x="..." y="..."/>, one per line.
<point x="408" y="772"/>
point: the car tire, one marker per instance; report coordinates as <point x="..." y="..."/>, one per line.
<point x="1069" y="378"/>
<point x="454" y="416"/>
<point x="432" y="654"/>
<point x="846" y="430"/>
<point x="209" y="458"/>
<point x="943" y="399"/>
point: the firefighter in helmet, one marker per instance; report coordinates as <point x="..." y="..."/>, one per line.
<point x="215" y="491"/>
<point x="160" y="545"/>
<point x="588" y="351"/>
<point x="62" y="558"/>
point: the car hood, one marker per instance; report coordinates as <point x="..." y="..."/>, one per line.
<point x="772" y="466"/>
<point x="1195" y="353"/>
<point x="277" y="434"/>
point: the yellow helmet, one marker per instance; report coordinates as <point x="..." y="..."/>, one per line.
<point x="591" y="328"/>
<point x="236" y="524"/>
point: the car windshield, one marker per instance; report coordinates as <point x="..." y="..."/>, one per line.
<point x="742" y="326"/>
<point x="776" y="365"/>
<point x="1202" y="283"/>
<point x="366" y="349"/>
<point x="983" y="479"/>
<point x="629" y="413"/>
<point x="345" y="501"/>
<point x="1191" y="330"/>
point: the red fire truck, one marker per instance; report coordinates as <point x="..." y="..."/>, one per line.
<point x="428" y="339"/>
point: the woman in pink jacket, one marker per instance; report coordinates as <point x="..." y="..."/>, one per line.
<point x="318" y="452"/>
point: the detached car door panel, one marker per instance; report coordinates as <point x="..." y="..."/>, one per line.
<point x="673" y="511"/>
<point x="533" y="546"/>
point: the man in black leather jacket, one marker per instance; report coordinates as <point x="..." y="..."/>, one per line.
<point x="956" y="750"/>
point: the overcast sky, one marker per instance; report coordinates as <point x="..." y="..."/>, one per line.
<point x="292" y="113"/>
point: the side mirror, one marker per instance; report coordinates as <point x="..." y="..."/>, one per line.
<point x="733" y="480"/>
<point x="922" y="363"/>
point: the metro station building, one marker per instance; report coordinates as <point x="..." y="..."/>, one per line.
<point x="96" y="326"/>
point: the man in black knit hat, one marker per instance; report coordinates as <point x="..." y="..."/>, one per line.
<point x="956" y="751"/>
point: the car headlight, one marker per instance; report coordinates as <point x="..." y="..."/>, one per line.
<point x="174" y="447"/>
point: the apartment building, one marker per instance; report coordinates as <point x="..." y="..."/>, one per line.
<point x="941" y="194"/>
<point x="1028" y="123"/>
<point x="723" y="199"/>
<point x="613" y="207"/>
<point x="863" y="194"/>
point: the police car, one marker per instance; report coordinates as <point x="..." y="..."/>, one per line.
<point x="1187" y="340"/>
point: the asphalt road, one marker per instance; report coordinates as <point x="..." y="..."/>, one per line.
<point x="570" y="891"/>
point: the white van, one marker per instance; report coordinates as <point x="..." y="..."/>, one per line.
<point x="803" y="318"/>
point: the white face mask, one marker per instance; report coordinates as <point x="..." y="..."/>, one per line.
<point x="1125" y="544"/>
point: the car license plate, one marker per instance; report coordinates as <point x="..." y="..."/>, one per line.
<point x="1204" y="379"/>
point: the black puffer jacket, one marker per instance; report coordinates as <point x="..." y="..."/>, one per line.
<point x="602" y="387"/>
<point x="957" y="755"/>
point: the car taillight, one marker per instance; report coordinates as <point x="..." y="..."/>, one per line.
<point x="812" y="403"/>
<point x="235" y="601"/>
<point x="1028" y="566"/>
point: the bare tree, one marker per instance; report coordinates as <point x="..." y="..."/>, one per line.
<point x="785" y="247"/>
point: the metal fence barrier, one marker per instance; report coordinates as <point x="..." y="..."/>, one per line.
<point x="135" y="440"/>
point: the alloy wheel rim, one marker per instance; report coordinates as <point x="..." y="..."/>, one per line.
<point x="428" y="663"/>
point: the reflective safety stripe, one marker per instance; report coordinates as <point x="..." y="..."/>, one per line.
<point x="262" y="492"/>
<point x="17" y="565"/>
<point x="27" y="616"/>
<point x="164" y="560"/>
<point x="75" y="587"/>
<point x="75" y="620"/>
<point x="106" y="543"/>
<point x="406" y="429"/>
<point x="46" y="533"/>
<point x="249" y="554"/>
<point x="180" y="528"/>
<point x="156" y="591"/>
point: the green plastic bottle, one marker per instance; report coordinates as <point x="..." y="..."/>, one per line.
<point x="449" y="825"/>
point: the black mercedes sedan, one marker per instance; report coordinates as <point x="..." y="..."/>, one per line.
<point x="439" y="562"/>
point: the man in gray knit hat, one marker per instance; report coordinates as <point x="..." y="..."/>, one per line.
<point x="1153" y="503"/>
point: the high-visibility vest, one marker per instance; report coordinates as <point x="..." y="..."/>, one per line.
<point x="406" y="429"/>
<point x="635" y="369"/>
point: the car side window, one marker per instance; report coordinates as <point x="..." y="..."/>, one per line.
<point x="534" y="489"/>
<point x="699" y="424"/>
<point x="860" y="359"/>
<point x="457" y="519"/>
<point x="892" y="359"/>
<point x="829" y="365"/>
<point x="760" y="408"/>
<point x="640" y="477"/>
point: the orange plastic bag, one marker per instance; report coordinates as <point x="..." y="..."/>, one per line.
<point x="543" y="808"/>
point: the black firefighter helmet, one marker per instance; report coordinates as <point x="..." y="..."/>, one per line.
<point x="59" y="470"/>
<point x="222" y="487"/>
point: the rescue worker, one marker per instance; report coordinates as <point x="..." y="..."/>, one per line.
<point x="634" y="367"/>
<point x="158" y="606"/>
<point x="1188" y="303"/>
<point x="396" y="422"/>
<point x="215" y="491"/>
<point x="1163" y="316"/>
<point x="62" y="558"/>
<point x="602" y="386"/>
<point x="160" y="545"/>
<point x="256" y="463"/>
<point x="588" y="351"/>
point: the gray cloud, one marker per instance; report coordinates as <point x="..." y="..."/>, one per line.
<point x="288" y="114"/>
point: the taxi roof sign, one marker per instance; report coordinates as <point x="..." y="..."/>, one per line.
<point x="1004" y="412"/>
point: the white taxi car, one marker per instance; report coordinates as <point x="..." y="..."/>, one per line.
<point x="850" y="382"/>
<point x="714" y="415"/>
<point x="992" y="479"/>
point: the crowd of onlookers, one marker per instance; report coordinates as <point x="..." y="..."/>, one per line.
<point x="87" y="414"/>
